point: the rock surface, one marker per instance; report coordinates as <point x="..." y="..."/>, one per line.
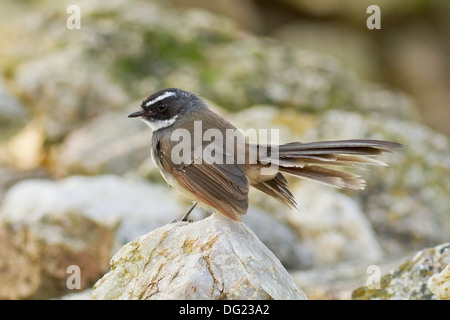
<point x="280" y="238"/>
<point x="63" y="102"/>
<point x="440" y="284"/>
<point x="13" y="114"/>
<point x="94" y="148"/>
<point x="414" y="213"/>
<point x="79" y="295"/>
<point x="138" y="206"/>
<point x="214" y="258"/>
<point x="337" y="281"/>
<point x="38" y="250"/>
<point x="332" y="225"/>
<point x="409" y="280"/>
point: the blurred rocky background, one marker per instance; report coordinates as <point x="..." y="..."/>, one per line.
<point x="76" y="181"/>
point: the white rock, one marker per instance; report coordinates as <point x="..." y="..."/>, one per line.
<point x="417" y="278"/>
<point x="139" y="206"/>
<point x="48" y="255"/>
<point x="332" y="225"/>
<point x="214" y="258"/>
<point x="280" y="238"/>
<point x="95" y="148"/>
<point x="78" y="295"/>
<point x="440" y="284"/>
<point x="66" y="102"/>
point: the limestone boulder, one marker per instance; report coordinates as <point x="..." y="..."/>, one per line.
<point x="50" y="254"/>
<point x="409" y="280"/>
<point x="439" y="284"/>
<point x="214" y="258"/>
<point x="138" y="206"/>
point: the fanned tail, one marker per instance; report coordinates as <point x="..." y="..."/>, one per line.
<point x="311" y="160"/>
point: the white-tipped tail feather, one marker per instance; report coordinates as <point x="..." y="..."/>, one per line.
<point x="312" y="160"/>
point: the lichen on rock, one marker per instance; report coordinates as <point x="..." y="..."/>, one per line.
<point x="214" y="258"/>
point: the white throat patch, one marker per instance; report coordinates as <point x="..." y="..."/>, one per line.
<point x="161" y="97"/>
<point x="155" y="125"/>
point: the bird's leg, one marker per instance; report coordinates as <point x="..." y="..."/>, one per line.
<point x="186" y="215"/>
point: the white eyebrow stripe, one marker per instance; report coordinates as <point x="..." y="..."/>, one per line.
<point x="161" y="97"/>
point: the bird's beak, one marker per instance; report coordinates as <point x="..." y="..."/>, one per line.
<point x="136" y="114"/>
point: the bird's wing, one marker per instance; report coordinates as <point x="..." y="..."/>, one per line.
<point x="219" y="185"/>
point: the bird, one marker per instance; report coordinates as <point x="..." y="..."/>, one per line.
<point x="188" y="148"/>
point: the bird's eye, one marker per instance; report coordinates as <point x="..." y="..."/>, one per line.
<point x="161" y="106"/>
